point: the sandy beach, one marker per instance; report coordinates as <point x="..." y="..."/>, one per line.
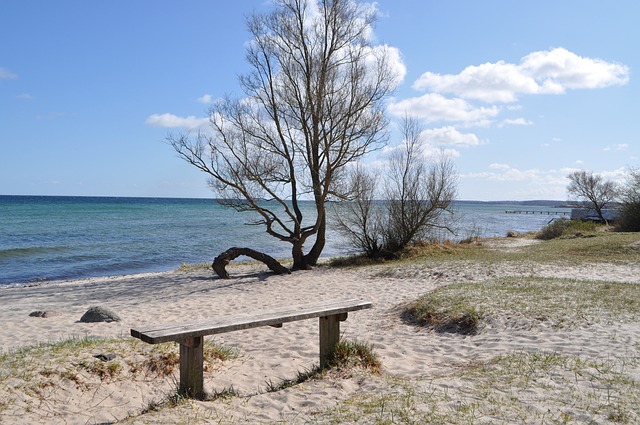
<point x="440" y="367"/>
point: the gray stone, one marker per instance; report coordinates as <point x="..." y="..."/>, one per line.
<point x="105" y="357"/>
<point x="44" y="314"/>
<point x="99" y="314"/>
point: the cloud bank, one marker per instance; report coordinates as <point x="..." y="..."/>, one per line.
<point x="479" y="94"/>
<point x="545" y="72"/>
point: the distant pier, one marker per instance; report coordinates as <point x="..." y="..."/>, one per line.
<point x="538" y="212"/>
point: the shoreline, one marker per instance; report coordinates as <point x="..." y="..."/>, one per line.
<point x="67" y="239"/>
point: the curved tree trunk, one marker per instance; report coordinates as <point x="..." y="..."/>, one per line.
<point x="220" y="262"/>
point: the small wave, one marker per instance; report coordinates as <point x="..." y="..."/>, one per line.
<point x="26" y="252"/>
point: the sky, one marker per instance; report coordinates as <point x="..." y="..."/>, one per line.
<point x="519" y="94"/>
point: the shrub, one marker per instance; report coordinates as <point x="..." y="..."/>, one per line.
<point x="565" y="227"/>
<point x="355" y="353"/>
<point x="629" y="218"/>
<point x="417" y="199"/>
<point x="444" y="316"/>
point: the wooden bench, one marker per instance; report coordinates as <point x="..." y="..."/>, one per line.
<point x="190" y="336"/>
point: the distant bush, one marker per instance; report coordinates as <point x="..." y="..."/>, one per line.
<point x="565" y="227"/>
<point x="629" y="218"/>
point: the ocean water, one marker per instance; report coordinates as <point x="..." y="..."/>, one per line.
<point x="58" y="238"/>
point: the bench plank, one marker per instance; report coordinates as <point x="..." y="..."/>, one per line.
<point x="178" y="332"/>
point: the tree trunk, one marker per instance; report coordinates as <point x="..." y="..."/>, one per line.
<point x="299" y="259"/>
<point x="220" y="262"/>
<point x="311" y="259"/>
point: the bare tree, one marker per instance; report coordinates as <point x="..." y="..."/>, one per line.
<point x="313" y="104"/>
<point x="360" y="219"/>
<point x="417" y="194"/>
<point x="586" y="186"/>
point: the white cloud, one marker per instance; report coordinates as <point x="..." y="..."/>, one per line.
<point x="544" y="72"/>
<point x="388" y="55"/>
<point x="394" y="58"/>
<point x="568" y="70"/>
<point x="173" y="121"/>
<point x="433" y="107"/>
<point x="5" y="74"/>
<point x="449" y="136"/>
<point x="618" y="147"/>
<point x="516" y="121"/>
<point x="506" y="173"/>
<point x="618" y="175"/>
<point x="491" y="82"/>
<point x="25" y="96"/>
<point x="206" y="98"/>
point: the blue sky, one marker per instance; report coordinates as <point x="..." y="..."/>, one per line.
<point x="519" y="93"/>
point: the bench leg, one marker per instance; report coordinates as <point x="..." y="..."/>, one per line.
<point x="191" y="367"/>
<point x="329" y="336"/>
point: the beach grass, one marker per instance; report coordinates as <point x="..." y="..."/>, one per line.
<point x="349" y="355"/>
<point x="585" y="248"/>
<point x="185" y="267"/>
<point x="85" y="363"/>
<point x="528" y="301"/>
<point x="512" y="388"/>
<point x="523" y="387"/>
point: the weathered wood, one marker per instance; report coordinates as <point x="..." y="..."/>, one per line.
<point x="329" y="336"/>
<point x="192" y="367"/>
<point x="191" y="336"/>
<point x="221" y="261"/>
<point x="218" y="325"/>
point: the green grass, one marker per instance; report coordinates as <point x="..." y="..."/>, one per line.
<point x="597" y="247"/>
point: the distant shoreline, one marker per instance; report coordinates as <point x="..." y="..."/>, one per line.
<point x="534" y="202"/>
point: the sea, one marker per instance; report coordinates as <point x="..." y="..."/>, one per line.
<point x="55" y="238"/>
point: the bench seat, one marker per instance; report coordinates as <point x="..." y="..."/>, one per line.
<point x="177" y="332"/>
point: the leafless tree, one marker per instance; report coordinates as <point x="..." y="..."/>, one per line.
<point x="360" y="220"/>
<point x="592" y="188"/>
<point x="313" y="104"/>
<point x="417" y="194"/>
